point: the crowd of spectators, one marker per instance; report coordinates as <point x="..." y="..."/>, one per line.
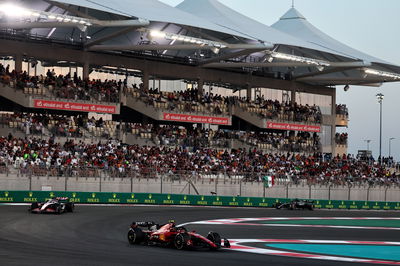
<point x="341" y="138"/>
<point x="191" y="101"/>
<point x="133" y="160"/>
<point x="173" y="135"/>
<point x="341" y="109"/>
<point x="65" y="86"/>
<point x="37" y="123"/>
<point x="287" y="111"/>
<point x="183" y="101"/>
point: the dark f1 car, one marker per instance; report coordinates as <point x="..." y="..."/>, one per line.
<point x="56" y="205"/>
<point x="173" y="236"/>
<point x="296" y="204"/>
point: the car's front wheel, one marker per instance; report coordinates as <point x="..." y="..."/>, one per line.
<point x="215" y="238"/>
<point x="181" y="240"/>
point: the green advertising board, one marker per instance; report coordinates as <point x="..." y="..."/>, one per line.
<point x="174" y="199"/>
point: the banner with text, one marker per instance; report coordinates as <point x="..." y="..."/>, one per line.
<point x="294" y="127"/>
<point x="71" y="106"/>
<point x="174" y="199"/>
<point x="197" y="119"/>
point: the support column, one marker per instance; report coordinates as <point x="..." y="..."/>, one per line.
<point x="200" y="84"/>
<point x="86" y="70"/>
<point x="248" y="92"/>
<point x="145" y="80"/>
<point x="18" y="62"/>
<point x="293" y="96"/>
<point x="333" y="125"/>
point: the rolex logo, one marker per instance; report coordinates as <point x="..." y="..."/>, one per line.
<point x="133" y="196"/>
<point x="93" y="195"/>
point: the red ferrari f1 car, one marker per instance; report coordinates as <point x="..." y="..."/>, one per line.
<point x="174" y="236"/>
<point x="56" y="205"/>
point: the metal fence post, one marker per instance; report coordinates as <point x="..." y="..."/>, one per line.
<point x="161" y="184"/>
<point x="240" y="188"/>
<point x="131" y="184"/>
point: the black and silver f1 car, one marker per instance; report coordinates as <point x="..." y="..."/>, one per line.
<point x="173" y="236"/>
<point x="296" y="204"/>
<point x="56" y="205"/>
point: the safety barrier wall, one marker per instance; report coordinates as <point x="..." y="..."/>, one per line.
<point x="174" y="199"/>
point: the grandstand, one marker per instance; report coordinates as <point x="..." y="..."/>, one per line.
<point x="133" y="87"/>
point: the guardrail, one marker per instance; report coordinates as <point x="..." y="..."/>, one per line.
<point x="173" y="199"/>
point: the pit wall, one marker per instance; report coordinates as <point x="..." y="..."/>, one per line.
<point x="220" y="187"/>
<point x="173" y="199"/>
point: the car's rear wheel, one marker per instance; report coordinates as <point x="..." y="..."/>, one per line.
<point x="34" y="205"/>
<point x="215" y="238"/>
<point x="135" y="236"/>
<point x="181" y="240"/>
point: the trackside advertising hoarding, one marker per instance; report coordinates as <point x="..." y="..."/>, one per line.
<point x="174" y="199"/>
<point x="197" y="119"/>
<point x="72" y="106"/>
<point x="294" y="127"/>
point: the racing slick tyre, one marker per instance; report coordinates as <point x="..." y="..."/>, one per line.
<point x="310" y="207"/>
<point x="135" y="236"/>
<point x="34" y="205"/>
<point x="215" y="238"/>
<point x="58" y="210"/>
<point x="69" y="207"/>
<point x="180" y="241"/>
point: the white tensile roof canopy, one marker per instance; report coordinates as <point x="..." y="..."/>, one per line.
<point x="212" y="35"/>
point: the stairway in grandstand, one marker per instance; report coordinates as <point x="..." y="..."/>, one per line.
<point x="134" y="102"/>
<point x="15" y="95"/>
<point x="250" y="117"/>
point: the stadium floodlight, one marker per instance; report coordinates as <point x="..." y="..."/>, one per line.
<point x="11" y="10"/>
<point x="15" y="11"/>
<point x="381" y="73"/>
<point x="310" y="61"/>
<point x="184" y="38"/>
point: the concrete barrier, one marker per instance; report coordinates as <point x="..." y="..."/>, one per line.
<point x="220" y="187"/>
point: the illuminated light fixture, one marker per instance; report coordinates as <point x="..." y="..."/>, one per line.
<point x="12" y="10"/>
<point x="157" y="34"/>
<point x="301" y="59"/>
<point x="382" y="73"/>
<point x="173" y="36"/>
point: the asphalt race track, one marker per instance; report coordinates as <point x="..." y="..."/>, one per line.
<point x="97" y="236"/>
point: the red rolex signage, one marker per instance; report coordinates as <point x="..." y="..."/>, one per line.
<point x="294" y="127"/>
<point x="71" y="106"/>
<point x="196" y="119"/>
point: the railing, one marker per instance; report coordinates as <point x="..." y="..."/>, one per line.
<point x="195" y="176"/>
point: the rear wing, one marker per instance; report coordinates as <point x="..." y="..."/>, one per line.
<point x="144" y="224"/>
